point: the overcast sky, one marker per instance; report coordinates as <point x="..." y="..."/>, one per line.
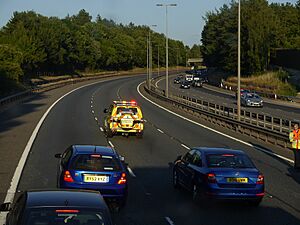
<point x="185" y="20"/>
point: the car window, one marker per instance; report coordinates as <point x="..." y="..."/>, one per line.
<point x="95" y="163"/>
<point x="229" y="161"/>
<point x="188" y="157"/>
<point x="66" y="156"/>
<point x="18" y="209"/>
<point x="197" y="160"/>
<point x="46" y="216"/>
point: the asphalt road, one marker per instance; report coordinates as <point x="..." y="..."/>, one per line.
<point x="152" y="199"/>
<point x="276" y="110"/>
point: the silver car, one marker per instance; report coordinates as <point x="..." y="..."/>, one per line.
<point x="252" y="100"/>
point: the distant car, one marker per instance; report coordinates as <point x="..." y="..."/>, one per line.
<point x="94" y="168"/>
<point x="189" y="77"/>
<point x="243" y="91"/>
<point x="251" y="100"/>
<point x="59" y="207"/>
<point x="185" y="85"/>
<point x="197" y="83"/>
<point x="219" y="173"/>
<point x="124" y="117"/>
<point x="177" y="80"/>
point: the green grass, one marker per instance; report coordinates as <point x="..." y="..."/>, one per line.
<point x="274" y="82"/>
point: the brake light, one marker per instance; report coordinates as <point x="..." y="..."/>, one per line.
<point x="122" y="180"/>
<point x="228" y="155"/>
<point x="96" y="156"/>
<point x="133" y="102"/>
<point x="211" y="178"/>
<point x="67" y="211"/>
<point x="68" y="177"/>
<point x="260" y="179"/>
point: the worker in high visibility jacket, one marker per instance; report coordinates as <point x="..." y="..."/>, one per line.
<point x="295" y="140"/>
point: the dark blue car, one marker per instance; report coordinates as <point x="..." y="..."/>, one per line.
<point x="59" y="207"/>
<point x="219" y="174"/>
<point x="93" y="168"/>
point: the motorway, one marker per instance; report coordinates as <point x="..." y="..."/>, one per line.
<point x="76" y="119"/>
<point x="223" y="98"/>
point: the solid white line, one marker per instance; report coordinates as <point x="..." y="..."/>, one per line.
<point x="130" y="171"/>
<point x="111" y="144"/>
<point x="101" y="129"/>
<point x="211" y="129"/>
<point x="169" y="220"/>
<point x="18" y="171"/>
<point x="185" y="146"/>
<point x="156" y="83"/>
<point x="160" y="131"/>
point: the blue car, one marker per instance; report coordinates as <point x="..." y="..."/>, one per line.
<point x="94" y="168"/>
<point x="219" y="173"/>
<point x="59" y="207"/>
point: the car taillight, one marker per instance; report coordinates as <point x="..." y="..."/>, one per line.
<point x="68" y="177"/>
<point x="122" y="180"/>
<point x="211" y="178"/>
<point x="260" y="179"/>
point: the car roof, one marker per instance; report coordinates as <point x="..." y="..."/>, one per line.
<point x="65" y="198"/>
<point x="207" y="150"/>
<point x="90" y="149"/>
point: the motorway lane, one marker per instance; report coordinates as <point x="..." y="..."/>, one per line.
<point x="281" y="111"/>
<point x="151" y="197"/>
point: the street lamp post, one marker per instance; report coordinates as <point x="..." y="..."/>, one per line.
<point x="167" y="50"/>
<point x="157" y="60"/>
<point x="239" y="64"/>
<point x="150" y="57"/>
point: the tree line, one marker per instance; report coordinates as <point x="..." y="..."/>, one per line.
<point x="264" y="27"/>
<point x="32" y="44"/>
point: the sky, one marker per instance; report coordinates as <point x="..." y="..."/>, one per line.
<point x="185" y="21"/>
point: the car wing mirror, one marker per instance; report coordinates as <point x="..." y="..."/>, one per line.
<point x="105" y="110"/>
<point x="58" y="156"/>
<point x="5" y="207"/>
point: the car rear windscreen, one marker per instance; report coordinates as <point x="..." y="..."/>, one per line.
<point x="229" y="161"/>
<point x="95" y="163"/>
<point x="70" y="216"/>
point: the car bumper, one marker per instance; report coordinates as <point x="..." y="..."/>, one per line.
<point x="236" y="193"/>
<point x="253" y="104"/>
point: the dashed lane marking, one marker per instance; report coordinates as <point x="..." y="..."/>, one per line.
<point x="101" y="129"/>
<point x="96" y="118"/>
<point x="93" y="111"/>
<point x="169" y="220"/>
<point x="159" y="130"/>
<point x="111" y="144"/>
<point x="211" y="129"/>
<point x="183" y="145"/>
<point x="130" y="171"/>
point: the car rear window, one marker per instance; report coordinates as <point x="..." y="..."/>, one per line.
<point x="95" y="163"/>
<point x="229" y="161"/>
<point x="70" y="216"/>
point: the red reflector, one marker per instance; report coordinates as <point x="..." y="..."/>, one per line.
<point x="67" y="211"/>
<point x="68" y="177"/>
<point x="260" y="194"/>
<point x="96" y="156"/>
<point x="227" y="155"/>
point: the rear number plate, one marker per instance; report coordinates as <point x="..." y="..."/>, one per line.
<point x="96" y="179"/>
<point x="237" y="180"/>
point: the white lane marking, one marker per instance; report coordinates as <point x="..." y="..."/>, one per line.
<point x="111" y="144"/>
<point x="91" y="102"/>
<point x="156" y="83"/>
<point x="96" y="118"/>
<point x="18" y="171"/>
<point x="185" y="146"/>
<point x="211" y="129"/>
<point x="130" y="171"/>
<point x="93" y="111"/>
<point x="101" y="129"/>
<point x="169" y="220"/>
<point x="160" y="131"/>
<point x="91" y="106"/>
